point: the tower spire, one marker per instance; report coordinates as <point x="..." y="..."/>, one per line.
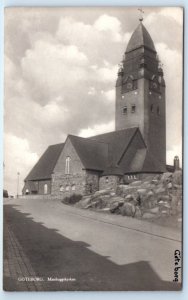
<point x="141" y="14"/>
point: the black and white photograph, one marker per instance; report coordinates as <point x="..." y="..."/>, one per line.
<point x="92" y="189"/>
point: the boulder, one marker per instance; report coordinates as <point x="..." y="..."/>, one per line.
<point x="136" y="183"/>
<point x="169" y="185"/>
<point x="166" y="177"/>
<point x="84" y="202"/>
<point x="128" y="209"/>
<point x="164" y="198"/>
<point x="142" y="191"/>
<point x="101" y="193"/>
<point x="128" y="197"/>
<point x="160" y="190"/>
<point x="147" y="215"/>
<point x="177" y="177"/>
<point x="138" y="212"/>
<point x="154" y="210"/>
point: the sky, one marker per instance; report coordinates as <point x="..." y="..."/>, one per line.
<point x="60" y="71"/>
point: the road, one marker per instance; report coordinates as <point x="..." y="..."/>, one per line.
<point x="84" y="250"/>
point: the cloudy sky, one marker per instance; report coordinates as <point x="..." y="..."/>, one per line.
<point x="60" y="72"/>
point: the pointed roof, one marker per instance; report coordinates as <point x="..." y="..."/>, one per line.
<point x="139" y="38"/>
<point x="93" y="154"/>
<point x="45" y="165"/>
<point x="98" y="151"/>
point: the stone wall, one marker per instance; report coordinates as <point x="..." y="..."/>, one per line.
<point x="108" y="182"/>
<point x="66" y="185"/>
<point x="92" y="182"/>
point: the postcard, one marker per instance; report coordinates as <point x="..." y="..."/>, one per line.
<point x="92" y="193"/>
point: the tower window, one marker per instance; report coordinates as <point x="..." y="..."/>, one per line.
<point x="125" y="110"/>
<point x="133" y="108"/>
<point x="151" y="108"/>
<point x="158" y="111"/>
<point x="67" y="165"/>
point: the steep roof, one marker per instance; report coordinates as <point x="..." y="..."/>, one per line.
<point x="93" y="154"/>
<point x="45" y="166"/>
<point x="145" y="162"/>
<point x="117" y="142"/>
<point x="140" y="37"/>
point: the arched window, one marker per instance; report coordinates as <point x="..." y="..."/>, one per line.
<point x="45" y="188"/>
<point x="67" y="188"/>
<point x="61" y="188"/>
<point x="73" y="187"/>
<point x="67" y="165"/>
<point x="125" y="110"/>
<point x="133" y="108"/>
<point x="158" y="110"/>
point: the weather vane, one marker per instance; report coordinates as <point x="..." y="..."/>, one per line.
<point x="141" y="14"/>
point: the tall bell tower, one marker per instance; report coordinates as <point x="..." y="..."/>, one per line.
<point x="140" y="93"/>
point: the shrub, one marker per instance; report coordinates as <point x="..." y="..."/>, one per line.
<point x="72" y="199"/>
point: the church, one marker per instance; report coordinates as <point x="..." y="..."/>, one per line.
<point x="135" y="149"/>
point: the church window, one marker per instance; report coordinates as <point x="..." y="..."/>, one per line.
<point x="151" y="108"/>
<point x="61" y="188"/>
<point x="133" y="108"/>
<point x="73" y="187"/>
<point x="158" y="111"/>
<point x="67" y="188"/>
<point x="125" y="110"/>
<point x="45" y="188"/>
<point x="27" y="192"/>
<point x="122" y="96"/>
<point x="67" y="165"/>
<point x="106" y="179"/>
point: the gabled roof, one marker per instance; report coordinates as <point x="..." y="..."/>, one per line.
<point x="140" y="37"/>
<point x="145" y="162"/>
<point x="93" y="154"/>
<point x="45" y="166"/>
<point x="117" y="141"/>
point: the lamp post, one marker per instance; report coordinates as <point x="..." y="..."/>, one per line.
<point x="18" y="177"/>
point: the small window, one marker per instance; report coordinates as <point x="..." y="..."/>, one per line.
<point x="122" y="96"/>
<point x="73" y="187"/>
<point x="128" y="177"/>
<point x="125" y="110"/>
<point x="151" y="108"/>
<point x="67" y="188"/>
<point x="158" y="111"/>
<point x="107" y="180"/>
<point x="133" y="108"/>
<point x="61" y="188"/>
<point x="135" y="177"/>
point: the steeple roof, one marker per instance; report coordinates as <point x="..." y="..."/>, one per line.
<point x="139" y="38"/>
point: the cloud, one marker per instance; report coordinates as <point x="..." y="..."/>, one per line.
<point x="97" y="129"/>
<point x="61" y="67"/>
<point x="20" y="160"/>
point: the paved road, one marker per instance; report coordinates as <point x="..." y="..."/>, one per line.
<point x="91" y="251"/>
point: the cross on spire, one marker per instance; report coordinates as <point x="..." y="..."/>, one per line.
<point x="141" y="14"/>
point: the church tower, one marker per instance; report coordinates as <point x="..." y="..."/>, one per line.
<point x="140" y="93"/>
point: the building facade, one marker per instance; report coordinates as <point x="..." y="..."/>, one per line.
<point x="136" y="147"/>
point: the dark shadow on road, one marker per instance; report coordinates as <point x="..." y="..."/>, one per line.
<point x="53" y="255"/>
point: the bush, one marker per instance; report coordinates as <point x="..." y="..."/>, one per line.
<point x="72" y="199"/>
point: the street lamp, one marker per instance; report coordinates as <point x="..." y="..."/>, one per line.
<point x="18" y="175"/>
